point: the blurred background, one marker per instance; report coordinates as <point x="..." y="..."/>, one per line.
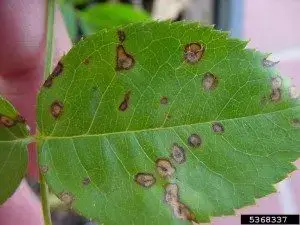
<point x="270" y="24"/>
<point x="84" y="17"/>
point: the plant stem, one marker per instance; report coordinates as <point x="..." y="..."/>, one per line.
<point x="49" y="37"/>
<point x="47" y="69"/>
<point x="44" y="198"/>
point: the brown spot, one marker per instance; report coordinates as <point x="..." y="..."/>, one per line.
<point x="296" y="122"/>
<point x="276" y="82"/>
<point x="164" y="100"/>
<point x="171" y="194"/>
<point x="66" y="197"/>
<point x="20" y="119"/>
<point x="217" y="127"/>
<point x="44" y="169"/>
<point x="294" y="92"/>
<point x="124" y="60"/>
<point x="194" y="140"/>
<point x="181" y="211"/>
<point x="121" y="35"/>
<point x="56" y="109"/>
<point x="269" y="63"/>
<point x="209" y="81"/>
<point x="145" y="179"/>
<point x="193" y="52"/>
<point x="57" y="70"/>
<point x="178" y="154"/>
<point x="164" y="167"/>
<point x="48" y="82"/>
<point x="6" y="121"/>
<point x="275" y="96"/>
<point x="86" y="181"/>
<point x="86" y="61"/>
<point x="124" y="104"/>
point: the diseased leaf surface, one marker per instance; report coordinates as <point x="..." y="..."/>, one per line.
<point x="165" y="123"/>
<point x="13" y="152"/>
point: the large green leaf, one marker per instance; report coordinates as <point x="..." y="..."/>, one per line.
<point x="161" y="123"/>
<point x="108" y="15"/>
<point x="13" y="152"/>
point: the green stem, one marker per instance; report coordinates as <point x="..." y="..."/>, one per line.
<point x="44" y="198"/>
<point x="49" y="37"/>
<point x="47" y="69"/>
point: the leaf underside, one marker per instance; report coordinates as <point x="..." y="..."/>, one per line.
<point x="13" y="150"/>
<point x="130" y="111"/>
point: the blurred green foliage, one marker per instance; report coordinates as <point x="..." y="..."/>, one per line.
<point x="96" y="16"/>
<point x="70" y="18"/>
<point x="75" y="2"/>
<point x="108" y="15"/>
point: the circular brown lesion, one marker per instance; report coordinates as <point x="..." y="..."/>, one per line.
<point x="209" y="81"/>
<point x="56" y="109"/>
<point x="124" y="60"/>
<point x="125" y="103"/>
<point x="178" y="154"/>
<point x="194" y="140"/>
<point x="217" y="127"/>
<point x="164" y="100"/>
<point x="86" y="181"/>
<point x="7" y="121"/>
<point x="145" y="179"/>
<point x="164" y="167"/>
<point x="193" y="52"/>
<point x="275" y="95"/>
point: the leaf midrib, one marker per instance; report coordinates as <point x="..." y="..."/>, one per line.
<point x="42" y="137"/>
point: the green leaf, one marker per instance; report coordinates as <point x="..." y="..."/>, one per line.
<point x="70" y="19"/>
<point x="155" y="117"/>
<point x="75" y="2"/>
<point x="108" y="15"/>
<point x="13" y="150"/>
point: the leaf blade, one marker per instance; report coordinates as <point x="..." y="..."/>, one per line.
<point x="112" y="145"/>
<point x="13" y="154"/>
